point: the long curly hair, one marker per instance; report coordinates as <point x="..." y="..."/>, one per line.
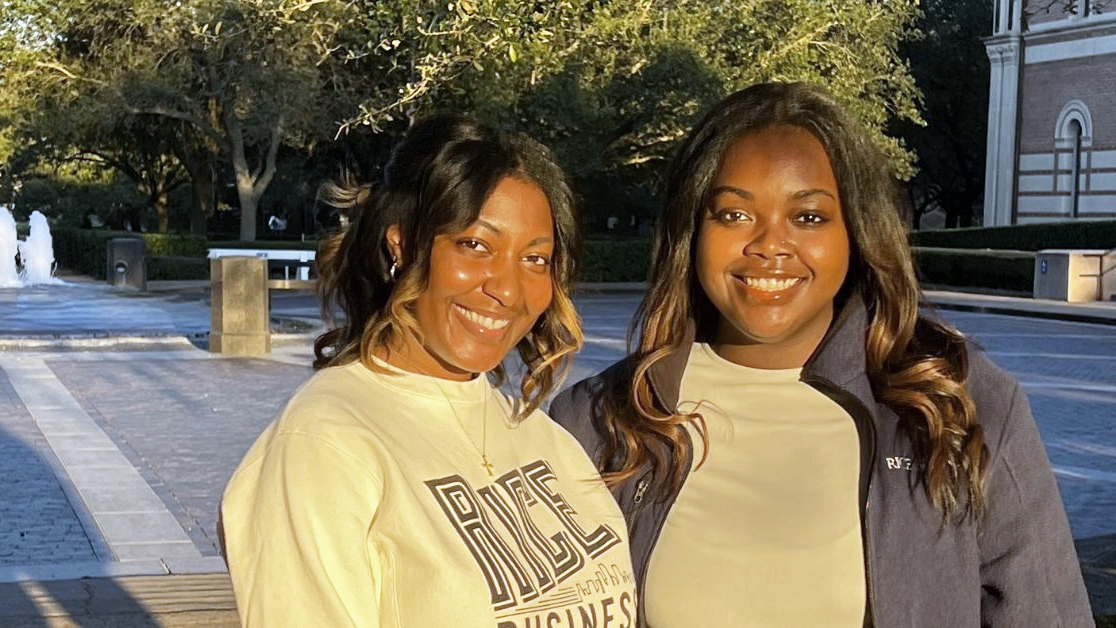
<point x="436" y="182"/>
<point x="917" y="366"/>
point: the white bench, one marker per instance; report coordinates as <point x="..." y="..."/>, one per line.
<point x="302" y="259"/>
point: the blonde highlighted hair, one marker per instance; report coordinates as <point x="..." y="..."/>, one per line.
<point x="435" y="183"/>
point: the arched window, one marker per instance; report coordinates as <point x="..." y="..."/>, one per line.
<point x="1073" y="137"/>
<point x="1075" y="167"/>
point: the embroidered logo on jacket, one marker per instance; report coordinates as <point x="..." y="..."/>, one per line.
<point x="899" y="462"/>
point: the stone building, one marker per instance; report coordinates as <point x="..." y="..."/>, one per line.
<point x="1051" y="111"/>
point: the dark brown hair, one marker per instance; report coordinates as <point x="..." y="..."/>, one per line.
<point x="436" y="182"/>
<point x="916" y="366"/>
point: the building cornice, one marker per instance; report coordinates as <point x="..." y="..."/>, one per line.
<point x="1003" y="48"/>
<point x="1071" y="25"/>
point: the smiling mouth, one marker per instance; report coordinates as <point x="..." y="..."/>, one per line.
<point x="485" y="322"/>
<point x="771" y="284"/>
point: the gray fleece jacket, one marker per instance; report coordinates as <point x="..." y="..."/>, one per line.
<point x="1015" y="567"/>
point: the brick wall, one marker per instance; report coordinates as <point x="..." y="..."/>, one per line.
<point x="1046" y="89"/>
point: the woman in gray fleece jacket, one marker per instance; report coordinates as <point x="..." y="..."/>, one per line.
<point x="795" y="443"/>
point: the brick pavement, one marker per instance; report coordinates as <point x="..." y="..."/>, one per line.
<point x="37" y="522"/>
<point x="183" y="420"/>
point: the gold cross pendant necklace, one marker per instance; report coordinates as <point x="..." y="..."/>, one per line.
<point x="483" y="449"/>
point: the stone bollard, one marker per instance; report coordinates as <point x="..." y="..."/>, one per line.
<point x="239" y="314"/>
<point x="126" y="266"/>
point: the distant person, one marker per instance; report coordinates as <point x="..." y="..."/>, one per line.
<point x="795" y="443"/>
<point x="400" y="487"/>
<point x="277" y="224"/>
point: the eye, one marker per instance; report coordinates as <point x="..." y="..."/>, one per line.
<point x="729" y="216"/>
<point x="473" y="244"/>
<point x="812" y="218"/>
<point x="538" y="259"/>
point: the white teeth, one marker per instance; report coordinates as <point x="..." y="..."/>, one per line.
<point x="493" y="324"/>
<point x="769" y="284"/>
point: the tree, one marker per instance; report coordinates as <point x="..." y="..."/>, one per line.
<point x="950" y="65"/>
<point x="244" y="76"/>
<point x="612" y="86"/>
<point x="615" y="93"/>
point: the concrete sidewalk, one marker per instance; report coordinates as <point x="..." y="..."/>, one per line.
<point x="118" y="431"/>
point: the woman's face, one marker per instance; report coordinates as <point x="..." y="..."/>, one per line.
<point x="772" y="248"/>
<point x="487" y="286"/>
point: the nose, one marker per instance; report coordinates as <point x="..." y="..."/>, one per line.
<point x="769" y="241"/>
<point x="503" y="283"/>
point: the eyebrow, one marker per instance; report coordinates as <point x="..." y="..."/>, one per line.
<point x="496" y="230"/>
<point x="746" y="195"/>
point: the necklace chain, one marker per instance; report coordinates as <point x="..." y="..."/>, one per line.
<point x="483" y="449"/>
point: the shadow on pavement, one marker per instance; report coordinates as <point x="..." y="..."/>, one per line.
<point x="42" y="531"/>
<point x="1098" y="565"/>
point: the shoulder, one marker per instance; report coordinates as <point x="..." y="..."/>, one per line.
<point x="1002" y="409"/>
<point x="579" y="409"/>
<point x="987" y="382"/>
<point x="339" y="392"/>
<point x="340" y="409"/>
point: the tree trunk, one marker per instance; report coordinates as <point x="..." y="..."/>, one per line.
<point x="250" y="185"/>
<point x="162" y="209"/>
<point x="201" y="188"/>
<point x="248" y="203"/>
<point x="201" y="207"/>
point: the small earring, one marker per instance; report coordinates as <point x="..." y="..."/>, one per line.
<point x="394" y="268"/>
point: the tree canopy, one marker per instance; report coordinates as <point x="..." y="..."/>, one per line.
<point x="611" y="85"/>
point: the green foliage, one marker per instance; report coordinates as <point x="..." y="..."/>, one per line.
<point x="286" y="245"/>
<point x="1080" y="234"/>
<point x="208" y="85"/>
<point x="1012" y="271"/>
<point x="176" y="267"/>
<point x="67" y="197"/>
<point x="81" y="250"/>
<point x="615" y="259"/>
<point x="950" y="65"/>
<point x="85" y="251"/>
<point x="175" y="244"/>
<point x="615" y="88"/>
<point x="149" y="87"/>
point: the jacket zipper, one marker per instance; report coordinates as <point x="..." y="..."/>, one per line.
<point x="641" y="488"/>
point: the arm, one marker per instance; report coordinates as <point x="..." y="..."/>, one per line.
<point x="296" y="522"/>
<point x="1030" y="575"/>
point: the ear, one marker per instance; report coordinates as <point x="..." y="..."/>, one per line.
<point x="394" y="241"/>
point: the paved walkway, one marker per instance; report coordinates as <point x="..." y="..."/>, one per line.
<point x="118" y="431"/>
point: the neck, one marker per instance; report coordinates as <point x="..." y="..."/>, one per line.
<point x="763" y="356"/>
<point x="414" y="358"/>
<point x="779" y="353"/>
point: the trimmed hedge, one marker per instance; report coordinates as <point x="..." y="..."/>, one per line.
<point x="615" y="259"/>
<point x="286" y="245"/>
<point x="1080" y="234"/>
<point x="161" y="267"/>
<point x="86" y="250"/>
<point x="968" y="268"/>
<point x="605" y="260"/>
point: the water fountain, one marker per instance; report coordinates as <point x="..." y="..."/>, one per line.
<point x="9" y="278"/>
<point x="37" y="253"/>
